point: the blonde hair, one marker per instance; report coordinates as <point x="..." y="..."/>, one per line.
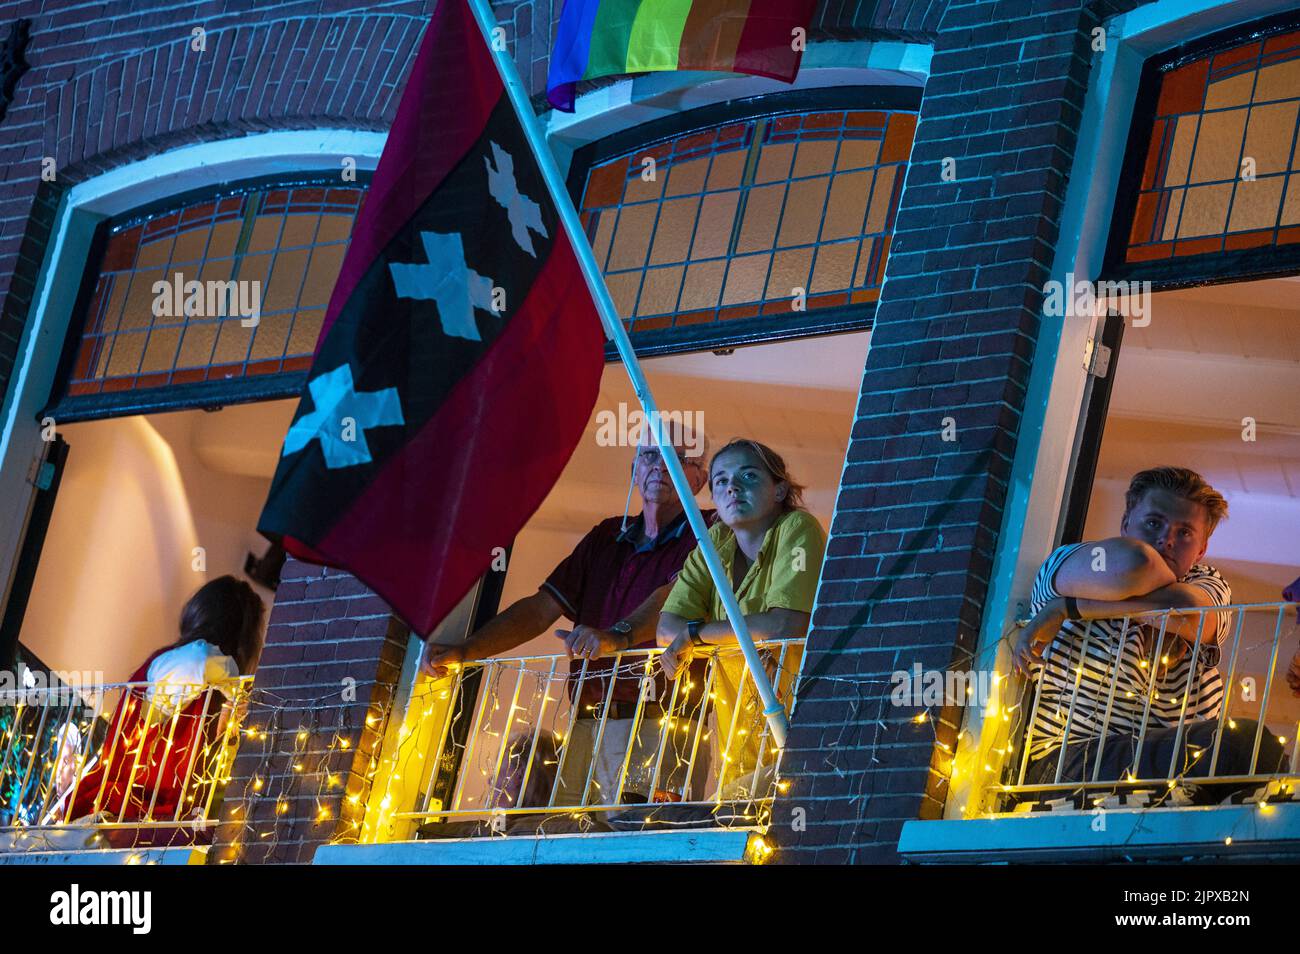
<point x="773" y="463"/>
<point x="1182" y="482"/>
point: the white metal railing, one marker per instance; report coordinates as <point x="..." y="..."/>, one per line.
<point x="155" y="760"/>
<point x="1252" y="653"/>
<point x="521" y="736"/>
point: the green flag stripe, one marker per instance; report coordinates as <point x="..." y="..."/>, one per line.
<point x="656" y="38"/>
<point x="610" y="35"/>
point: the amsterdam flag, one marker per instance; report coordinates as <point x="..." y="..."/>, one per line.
<point x="460" y="356"/>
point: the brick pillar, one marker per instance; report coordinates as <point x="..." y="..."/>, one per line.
<point x="917" y="518"/>
<point x="318" y="711"/>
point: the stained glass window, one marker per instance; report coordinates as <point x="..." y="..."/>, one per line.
<point x="1222" y="168"/>
<point x="223" y="288"/>
<point x="734" y="221"/>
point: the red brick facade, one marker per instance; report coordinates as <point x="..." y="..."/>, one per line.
<point x="317" y="716"/>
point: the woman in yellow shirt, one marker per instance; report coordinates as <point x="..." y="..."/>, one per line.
<point x="771" y="549"/>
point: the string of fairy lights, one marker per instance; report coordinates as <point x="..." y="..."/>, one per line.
<point x="50" y="764"/>
<point x="378" y="771"/>
<point x="299" y="773"/>
<point x="511" y="733"/>
<point x="137" y="762"/>
<point x="987" y="753"/>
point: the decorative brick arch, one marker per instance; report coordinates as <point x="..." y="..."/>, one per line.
<point x="252" y="77"/>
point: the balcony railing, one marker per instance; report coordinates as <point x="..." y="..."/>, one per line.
<point x="523" y="744"/>
<point x="1254" y="651"/>
<point x="148" y="772"/>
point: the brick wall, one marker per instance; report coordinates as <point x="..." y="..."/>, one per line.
<point x="917" y="519"/>
<point x="316" y="717"/>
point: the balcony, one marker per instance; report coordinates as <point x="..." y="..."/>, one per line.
<point x="495" y="763"/>
<point x="1220" y="786"/>
<point x="140" y="783"/>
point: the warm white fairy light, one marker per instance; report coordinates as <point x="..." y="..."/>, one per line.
<point x="344" y="812"/>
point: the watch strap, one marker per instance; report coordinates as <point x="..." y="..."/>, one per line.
<point x="624" y="629"/>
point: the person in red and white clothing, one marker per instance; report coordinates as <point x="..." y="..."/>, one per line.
<point x="157" y="759"/>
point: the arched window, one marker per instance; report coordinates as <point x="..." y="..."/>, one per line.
<point x="207" y="300"/>
<point x="767" y="225"/>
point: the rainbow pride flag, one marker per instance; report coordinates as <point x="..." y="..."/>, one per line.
<point x="611" y="37"/>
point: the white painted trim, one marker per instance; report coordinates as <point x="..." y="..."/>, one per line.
<point x="632" y="102"/>
<point x="708" y="846"/>
<point x="1153" y="833"/>
<point x="1057" y="377"/>
<point x="81" y="209"/>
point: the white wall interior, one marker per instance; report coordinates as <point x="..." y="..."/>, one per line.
<point x="138" y="496"/>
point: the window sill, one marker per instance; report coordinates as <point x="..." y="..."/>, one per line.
<point x="716" y="846"/>
<point x="1129" y="835"/>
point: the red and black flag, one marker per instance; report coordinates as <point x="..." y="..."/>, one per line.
<point x="460" y="356"/>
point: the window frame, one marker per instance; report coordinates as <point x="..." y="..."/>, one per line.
<point x="1207" y="268"/>
<point x="760" y="329"/>
<point x="208" y="395"/>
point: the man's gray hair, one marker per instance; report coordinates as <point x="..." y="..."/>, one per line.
<point x="681" y="432"/>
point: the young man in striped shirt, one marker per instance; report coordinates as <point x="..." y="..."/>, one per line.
<point x="1105" y="675"/>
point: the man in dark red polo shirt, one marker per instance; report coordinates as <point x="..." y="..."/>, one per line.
<point x="612" y="587"/>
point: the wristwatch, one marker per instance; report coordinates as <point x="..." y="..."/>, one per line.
<point x="693" y="631"/>
<point x="623" y="628"/>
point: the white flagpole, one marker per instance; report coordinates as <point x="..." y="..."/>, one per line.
<point x="772" y="709"/>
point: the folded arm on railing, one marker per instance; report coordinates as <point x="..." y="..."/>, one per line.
<point x="1144" y="713"/>
<point x="1119" y="578"/>
<point x="775" y="623"/>
<point x="515" y="625"/>
<point x="593" y="643"/>
<point x="1118" y="568"/>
